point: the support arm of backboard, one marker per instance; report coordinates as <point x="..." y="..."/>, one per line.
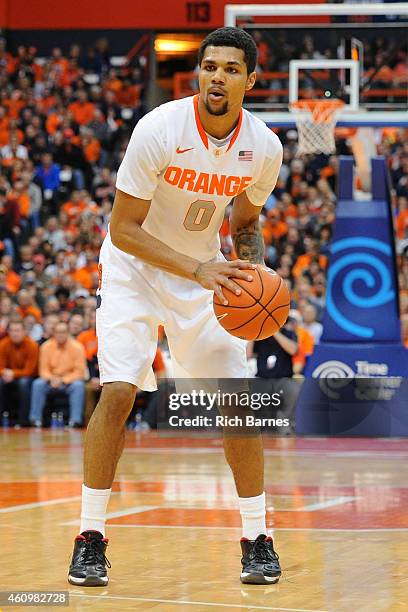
<point x="232" y="11"/>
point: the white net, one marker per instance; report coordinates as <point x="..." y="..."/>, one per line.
<point x="315" y="121"/>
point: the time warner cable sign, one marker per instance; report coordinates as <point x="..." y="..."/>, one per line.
<point x="356" y="378"/>
<point x="371" y="380"/>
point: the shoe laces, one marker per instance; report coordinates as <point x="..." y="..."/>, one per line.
<point x="262" y="552"/>
<point x="92" y="553"/>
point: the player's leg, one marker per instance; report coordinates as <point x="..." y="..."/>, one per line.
<point x="105" y="437"/>
<point x="205" y="350"/>
<point x="104" y="442"/>
<point x="260" y="564"/>
<point x="127" y="341"/>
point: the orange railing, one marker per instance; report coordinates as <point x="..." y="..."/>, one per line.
<point x="183" y="81"/>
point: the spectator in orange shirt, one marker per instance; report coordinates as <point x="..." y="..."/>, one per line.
<point x="296" y="177"/>
<point x="20" y="195"/>
<point x="290" y="209"/>
<point x="274" y="227"/>
<point x="402" y="219"/>
<point x="48" y="101"/>
<point x="305" y="349"/>
<point x="62" y="368"/>
<point x="113" y="83"/>
<point x="4" y="127"/>
<point x="404" y="324"/>
<point x="26" y="305"/>
<point x="305" y="342"/>
<point x="18" y="366"/>
<point x="71" y="74"/>
<point x="54" y="120"/>
<point x="312" y="254"/>
<point x="13" y="280"/>
<point x="82" y="110"/>
<point x="6" y="311"/>
<point x="91" y="261"/>
<point x="89" y="341"/>
<point x="91" y="147"/>
<point x="74" y="207"/>
<point x="381" y="73"/>
<point x="263" y="50"/>
<point x="58" y="62"/>
<point x="129" y="95"/>
<point x="14" y="104"/>
<point x="79" y="275"/>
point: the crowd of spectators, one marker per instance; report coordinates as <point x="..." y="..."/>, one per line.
<point x="64" y="126"/>
<point x="384" y="57"/>
<point x="384" y="63"/>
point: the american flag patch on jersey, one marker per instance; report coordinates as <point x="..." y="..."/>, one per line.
<point x="245" y="156"/>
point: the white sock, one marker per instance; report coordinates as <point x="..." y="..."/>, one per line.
<point x="253" y="515"/>
<point x="93" y="509"/>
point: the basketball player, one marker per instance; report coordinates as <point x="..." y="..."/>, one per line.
<point x="160" y="263"/>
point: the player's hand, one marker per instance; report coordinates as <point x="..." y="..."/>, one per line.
<point x="215" y="275"/>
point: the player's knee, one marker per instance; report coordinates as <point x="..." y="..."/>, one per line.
<point x="118" y="398"/>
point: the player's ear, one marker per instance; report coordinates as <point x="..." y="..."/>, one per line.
<point x="250" y="81"/>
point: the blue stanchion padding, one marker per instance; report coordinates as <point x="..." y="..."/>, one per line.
<point x="357" y="377"/>
<point x="362" y="297"/>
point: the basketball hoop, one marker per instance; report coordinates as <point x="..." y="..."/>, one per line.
<point x="316" y="120"/>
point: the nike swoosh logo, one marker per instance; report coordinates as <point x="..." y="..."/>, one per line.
<point x="220" y="317"/>
<point x="178" y="150"/>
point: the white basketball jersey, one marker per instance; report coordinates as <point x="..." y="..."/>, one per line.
<point x="171" y="161"/>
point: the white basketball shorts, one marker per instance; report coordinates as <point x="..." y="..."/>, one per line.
<point x="134" y="298"/>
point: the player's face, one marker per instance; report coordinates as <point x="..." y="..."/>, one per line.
<point x="223" y="79"/>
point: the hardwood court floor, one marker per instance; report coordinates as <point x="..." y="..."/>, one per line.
<point x="339" y="508"/>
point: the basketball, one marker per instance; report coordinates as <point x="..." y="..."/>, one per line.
<point x="259" y="311"/>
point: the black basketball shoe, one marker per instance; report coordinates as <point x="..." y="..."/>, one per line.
<point x="88" y="566"/>
<point x="260" y="563"/>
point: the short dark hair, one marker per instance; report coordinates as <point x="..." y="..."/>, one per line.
<point x="231" y="37"/>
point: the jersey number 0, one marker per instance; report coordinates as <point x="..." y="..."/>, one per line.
<point x="199" y="215"/>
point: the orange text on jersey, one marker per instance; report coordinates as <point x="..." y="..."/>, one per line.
<point x="210" y="184"/>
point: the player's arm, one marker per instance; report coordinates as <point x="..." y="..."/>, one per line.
<point x="245" y="231"/>
<point x="127" y="235"/>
